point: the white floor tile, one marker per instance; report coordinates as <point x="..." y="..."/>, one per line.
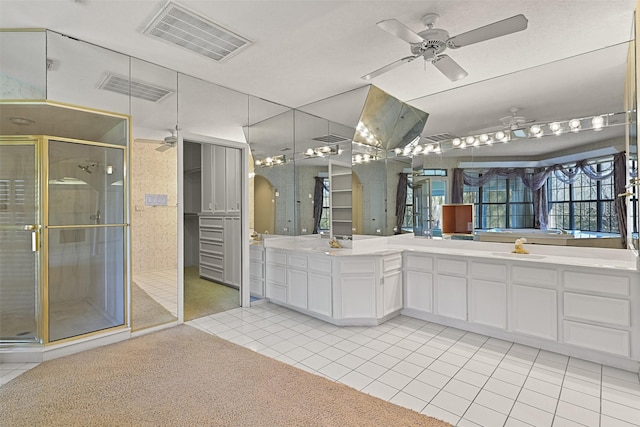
<point x="578" y="414"/>
<point x="582" y="400"/>
<point x="395" y="379"/>
<point x="538" y="400"/>
<point x="462" y="389"/>
<point x="356" y="380"/>
<point x="408" y="401"/>
<point x="421" y="390"/>
<point x="441" y="414"/>
<point x="450" y="402"/>
<point x="381" y="390"/>
<point x="530" y="414"/>
<point x="484" y="416"/>
<point x="494" y="401"/>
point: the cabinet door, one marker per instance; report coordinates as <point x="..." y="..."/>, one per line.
<point x="358" y="296"/>
<point x="232" y="197"/>
<point x="297" y="288"/>
<point x="451" y="296"/>
<point x="488" y="303"/>
<point x="207" y="178"/>
<point x="392" y="292"/>
<point x="319" y="293"/>
<point x="418" y="291"/>
<point x="534" y="311"/>
<point x="219" y="179"/>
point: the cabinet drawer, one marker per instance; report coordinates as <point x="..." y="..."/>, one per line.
<point x="599" y="338"/>
<point x="211" y="260"/>
<point x="274" y="257"/>
<point x="598" y="309"/>
<point x="534" y="276"/>
<point x="358" y="266"/>
<point x="391" y="263"/>
<point x="485" y="270"/>
<point x="276" y="292"/>
<point x="297" y="261"/>
<point x="418" y="262"/>
<point x="211" y="273"/>
<point x="213" y="247"/>
<point x="451" y="266"/>
<point x="277" y="274"/>
<point x="211" y="234"/>
<point x="210" y="222"/>
<point x="596" y="283"/>
<point x="321" y="265"/>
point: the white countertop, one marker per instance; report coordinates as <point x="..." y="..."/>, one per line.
<point x="618" y="259"/>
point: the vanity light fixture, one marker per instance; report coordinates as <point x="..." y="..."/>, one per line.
<point x="574" y="125"/>
<point x="597" y="122"/>
<point x="536" y="130"/>
<point x="271" y="161"/>
<point x="555" y="128"/>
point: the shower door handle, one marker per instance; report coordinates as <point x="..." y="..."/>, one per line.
<point x="34" y="236"/>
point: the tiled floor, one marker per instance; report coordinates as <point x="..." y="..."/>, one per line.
<point x="161" y="286"/>
<point x="464" y="378"/>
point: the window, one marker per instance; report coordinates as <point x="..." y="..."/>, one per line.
<point x="586" y="204"/>
<point x="501" y="203"/>
<point x="325" y="224"/>
<point x="407" y="221"/>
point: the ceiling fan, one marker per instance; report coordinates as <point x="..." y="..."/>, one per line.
<point x="430" y="43"/>
<point x="514" y="121"/>
<point x="168" y="143"/>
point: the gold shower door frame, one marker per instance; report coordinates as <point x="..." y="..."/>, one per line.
<point x="48" y="228"/>
<point x="41" y="231"/>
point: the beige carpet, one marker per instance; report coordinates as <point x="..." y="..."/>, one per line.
<point x="146" y="311"/>
<point x="204" y="298"/>
<point x="185" y="377"/>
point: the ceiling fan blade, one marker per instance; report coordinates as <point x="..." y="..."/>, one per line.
<point x="491" y="31"/>
<point x="164" y="147"/>
<point x="449" y="68"/>
<point x="400" y="30"/>
<point x="389" y="67"/>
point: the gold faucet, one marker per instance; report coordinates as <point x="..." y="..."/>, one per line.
<point x="519" y="249"/>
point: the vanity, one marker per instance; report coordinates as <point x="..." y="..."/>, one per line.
<point x="580" y="302"/>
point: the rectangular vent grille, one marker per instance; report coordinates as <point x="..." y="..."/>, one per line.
<point x="134" y="88"/>
<point x="179" y="26"/>
<point x="438" y="137"/>
<point x="330" y="138"/>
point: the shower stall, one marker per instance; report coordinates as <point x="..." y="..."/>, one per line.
<point x="63" y="224"/>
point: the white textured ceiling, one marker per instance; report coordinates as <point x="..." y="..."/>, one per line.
<point x="308" y="50"/>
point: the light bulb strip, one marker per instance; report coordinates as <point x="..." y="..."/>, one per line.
<point x="271" y="161"/>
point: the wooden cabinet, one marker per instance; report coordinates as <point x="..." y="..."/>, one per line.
<point x="221" y="179"/>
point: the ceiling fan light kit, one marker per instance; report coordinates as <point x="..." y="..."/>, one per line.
<point x="432" y="42"/>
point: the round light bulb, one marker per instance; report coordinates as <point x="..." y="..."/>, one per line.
<point x="456" y="142"/>
<point x="500" y="135"/>
<point x="556" y="128"/>
<point x="469" y="140"/>
<point x="574" y="124"/>
<point x="597" y="122"/>
<point x="258" y="162"/>
<point x="309" y="152"/>
<point x="484" y="137"/>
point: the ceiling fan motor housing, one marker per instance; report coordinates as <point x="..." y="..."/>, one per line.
<point x="435" y="40"/>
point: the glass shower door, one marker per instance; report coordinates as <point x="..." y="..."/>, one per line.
<point x="85" y="236"/>
<point x="19" y="241"/>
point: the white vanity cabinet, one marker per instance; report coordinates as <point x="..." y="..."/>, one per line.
<point x="534" y="301"/>
<point x="344" y="290"/>
<point x="601" y="312"/>
<point x="256" y="270"/>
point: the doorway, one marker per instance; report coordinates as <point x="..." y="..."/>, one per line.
<point x="213" y="195"/>
<point x="429" y="194"/>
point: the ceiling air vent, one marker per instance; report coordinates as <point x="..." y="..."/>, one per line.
<point x="177" y="25"/>
<point x="331" y="139"/>
<point x="438" y="137"/>
<point x="137" y="89"/>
